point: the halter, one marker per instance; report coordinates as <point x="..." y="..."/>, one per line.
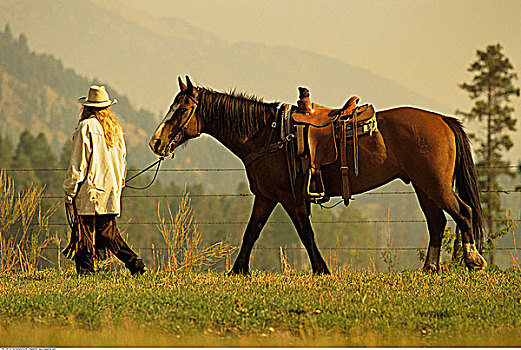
<point x="184" y="126"/>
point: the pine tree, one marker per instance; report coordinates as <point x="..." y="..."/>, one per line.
<point x="491" y="90"/>
<point x="43" y="158"/>
<point x="6" y="152"/>
<point x="22" y="160"/>
<point x="35" y="153"/>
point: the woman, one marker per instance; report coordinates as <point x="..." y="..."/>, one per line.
<point x="93" y="186"/>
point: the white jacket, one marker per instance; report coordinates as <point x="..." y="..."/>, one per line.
<point x="98" y="170"/>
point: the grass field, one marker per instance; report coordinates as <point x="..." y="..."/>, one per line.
<point x="457" y="308"/>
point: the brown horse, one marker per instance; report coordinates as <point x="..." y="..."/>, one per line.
<point x="419" y="147"/>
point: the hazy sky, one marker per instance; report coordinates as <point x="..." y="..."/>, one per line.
<point x="425" y="45"/>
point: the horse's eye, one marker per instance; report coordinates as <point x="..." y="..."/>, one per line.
<point x="182" y="109"/>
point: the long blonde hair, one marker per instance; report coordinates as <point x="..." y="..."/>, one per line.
<point x="107" y="119"/>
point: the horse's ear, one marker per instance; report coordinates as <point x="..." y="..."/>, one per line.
<point x="182" y="85"/>
<point x="189" y="83"/>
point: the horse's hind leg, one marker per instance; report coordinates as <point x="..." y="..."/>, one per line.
<point x="462" y="214"/>
<point x="299" y="216"/>
<point x="262" y="208"/>
<point x="445" y="198"/>
<point x="436" y="222"/>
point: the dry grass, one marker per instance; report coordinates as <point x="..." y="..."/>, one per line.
<point x="24" y="229"/>
<point x="389" y="254"/>
<point x="511" y="226"/>
<point x="285" y="266"/>
<point x="131" y="334"/>
<point x="183" y="240"/>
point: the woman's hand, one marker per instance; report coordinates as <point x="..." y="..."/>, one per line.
<point x="68" y="200"/>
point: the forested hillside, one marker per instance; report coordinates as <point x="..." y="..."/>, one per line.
<point x="143" y="54"/>
<point x="39" y="94"/>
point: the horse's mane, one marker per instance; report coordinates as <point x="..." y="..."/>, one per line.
<point x="235" y="113"/>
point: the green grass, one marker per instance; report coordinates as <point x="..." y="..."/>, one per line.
<point x="458" y="308"/>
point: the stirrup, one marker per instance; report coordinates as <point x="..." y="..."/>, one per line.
<point x="315" y="195"/>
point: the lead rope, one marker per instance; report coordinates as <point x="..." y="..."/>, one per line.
<point x="158" y="162"/>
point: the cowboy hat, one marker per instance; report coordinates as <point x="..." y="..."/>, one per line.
<point x="98" y="97"/>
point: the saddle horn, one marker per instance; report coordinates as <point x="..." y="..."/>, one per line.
<point x="350" y="104"/>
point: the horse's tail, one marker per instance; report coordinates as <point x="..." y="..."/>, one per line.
<point x="466" y="179"/>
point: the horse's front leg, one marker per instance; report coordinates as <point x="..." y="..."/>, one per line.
<point x="262" y="208"/>
<point x="297" y="211"/>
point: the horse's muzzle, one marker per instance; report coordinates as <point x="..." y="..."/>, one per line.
<point x="155" y="146"/>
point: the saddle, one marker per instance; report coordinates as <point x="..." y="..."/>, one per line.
<point x="319" y="116"/>
<point x="319" y="129"/>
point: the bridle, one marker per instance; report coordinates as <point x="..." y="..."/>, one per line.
<point x="167" y="149"/>
<point x="184" y="126"/>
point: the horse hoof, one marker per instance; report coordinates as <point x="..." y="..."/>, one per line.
<point x="476" y="263"/>
<point x="322" y="272"/>
<point x="474" y="260"/>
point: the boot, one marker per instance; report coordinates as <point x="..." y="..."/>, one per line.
<point x="132" y="262"/>
<point x="84" y="263"/>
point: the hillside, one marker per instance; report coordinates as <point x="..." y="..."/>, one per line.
<point x="37" y="93"/>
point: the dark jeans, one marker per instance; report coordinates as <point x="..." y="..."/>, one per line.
<point x="106" y="237"/>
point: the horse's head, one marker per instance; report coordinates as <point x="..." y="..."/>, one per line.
<point x="180" y="123"/>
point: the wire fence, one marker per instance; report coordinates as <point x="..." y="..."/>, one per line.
<point x="224" y="195"/>
<point x="419" y="221"/>
<point x="246" y="195"/>
<point x="249" y="195"/>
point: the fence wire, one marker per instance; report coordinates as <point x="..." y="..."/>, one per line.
<point x="285" y="222"/>
<point x="246" y="195"/>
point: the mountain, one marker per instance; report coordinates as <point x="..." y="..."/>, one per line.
<point x="142" y="55"/>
